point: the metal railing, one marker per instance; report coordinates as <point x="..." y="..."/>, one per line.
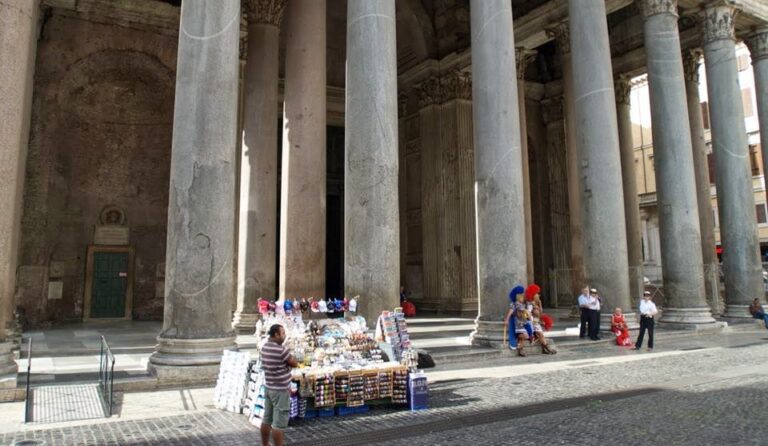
<point x="106" y="374"/>
<point x="27" y="414"/>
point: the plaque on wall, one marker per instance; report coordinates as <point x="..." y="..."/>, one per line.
<point x="112" y="228"/>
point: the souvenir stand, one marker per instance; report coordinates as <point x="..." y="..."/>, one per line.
<point x="343" y="369"/>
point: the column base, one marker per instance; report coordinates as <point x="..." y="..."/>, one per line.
<point x="737" y="312"/>
<point x="488" y="334"/>
<point x="245" y="323"/>
<point x="686" y="318"/>
<point x="8" y="372"/>
<point x="188" y="360"/>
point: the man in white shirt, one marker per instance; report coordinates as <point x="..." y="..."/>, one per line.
<point x="584" y="299"/>
<point x="647" y="312"/>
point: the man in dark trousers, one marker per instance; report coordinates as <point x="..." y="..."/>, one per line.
<point x="584" y="309"/>
<point x="276" y="363"/>
<point x="596" y="305"/>
<point x="647" y="312"/>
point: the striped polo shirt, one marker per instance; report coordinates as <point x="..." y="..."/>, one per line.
<point x="277" y="374"/>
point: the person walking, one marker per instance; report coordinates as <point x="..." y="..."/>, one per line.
<point x="647" y="312"/>
<point x="584" y="308"/>
<point x="276" y="363"/>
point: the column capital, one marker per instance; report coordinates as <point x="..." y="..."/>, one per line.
<point x="553" y="109"/>
<point x="654" y="7"/>
<point x="718" y="21"/>
<point x="623" y="87"/>
<point x="456" y="85"/>
<point x="691" y="64"/>
<point x="265" y="12"/>
<point x="429" y="92"/>
<point x="523" y="57"/>
<point x="562" y="35"/>
<point x="757" y="41"/>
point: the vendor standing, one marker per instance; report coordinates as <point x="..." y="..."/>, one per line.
<point x="276" y="363"/>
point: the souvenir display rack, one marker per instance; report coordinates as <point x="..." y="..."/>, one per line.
<point x="342" y="368"/>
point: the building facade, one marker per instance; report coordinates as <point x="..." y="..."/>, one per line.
<point x="180" y="159"/>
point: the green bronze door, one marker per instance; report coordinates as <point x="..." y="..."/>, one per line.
<point x="110" y="281"/>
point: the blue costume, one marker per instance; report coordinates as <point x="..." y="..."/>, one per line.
<point x="512" y="336"/>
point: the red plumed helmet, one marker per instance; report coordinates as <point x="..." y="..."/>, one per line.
<point x="532" y="291"/>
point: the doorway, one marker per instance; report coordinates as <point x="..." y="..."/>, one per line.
<point x="108" y="287"/>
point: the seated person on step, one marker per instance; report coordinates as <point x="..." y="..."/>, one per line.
<point x="620" y="329"/>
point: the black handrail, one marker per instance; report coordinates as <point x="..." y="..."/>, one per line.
<point x="27" y="415"/>
<point x="106" y="374"/>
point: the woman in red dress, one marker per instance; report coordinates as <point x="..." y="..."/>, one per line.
<point x="619" y="328"/>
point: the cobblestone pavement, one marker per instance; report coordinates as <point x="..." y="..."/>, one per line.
<point x="695" y="393"/>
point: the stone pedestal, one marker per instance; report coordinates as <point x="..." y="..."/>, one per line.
<point x="691" y="62"/>
<point x="303" y="186"/>
<point x="675" y="178"/>
<point x="629" y="181"/>
<point x="599" y="165"/>
<point x="257" y="238"/>
<point x="371" y="232"/>
<point x="736" y="202"/>
<point x="18" y="42"/>
<point x="198" y="279"/>
<point x="499" y="193"/>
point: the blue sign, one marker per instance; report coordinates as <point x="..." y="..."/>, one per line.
<point x="418" y="391"/>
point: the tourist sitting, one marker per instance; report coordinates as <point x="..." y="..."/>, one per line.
<point x="757" y="311"/>
<point x="620" y="329"/>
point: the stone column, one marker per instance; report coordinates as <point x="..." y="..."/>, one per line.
<point x="302" y="216"/>
<point x="631" y="201"/>
<point x="602" y="200"/>
<point x="432" y="194"/>
<point x="558" y="192"/>
<point x="371" y="232"/>
<point x="691" y="62"/>
<point x="758" y="48"/>
<point x="736" y="202"/>
<point x="522" y="58"/>
<point x="18" y="47"/>
<point x="257" y="236"/>
<point x="458" y="226"/>
<point x="561" y="33"/>
<point x="198" y="280"/>
<point x="499" y="192"/>
<point x="675" y="178"/>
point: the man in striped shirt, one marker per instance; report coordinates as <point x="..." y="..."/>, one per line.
<point x="276" y="363"/>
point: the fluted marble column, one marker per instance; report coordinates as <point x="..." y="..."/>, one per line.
<point x="371" y="232"/>
<point x="201" y="210"/>
<point x="758" y="48"/>
<point x="499" y="192"/>
<point x="558" y="192"/>
<point x="631" y="201"/>
<point x="682" y="268"/>
<point x="736" y="202"/>
<point x="302" y="216"/>
<point x="522" y="58"/>
<point x="257" y="238"/>
<point x="605" y="233"/>
<point x="691" y="63"/>
<point x="18" y="43"/>
<point x="561" y="33"/>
